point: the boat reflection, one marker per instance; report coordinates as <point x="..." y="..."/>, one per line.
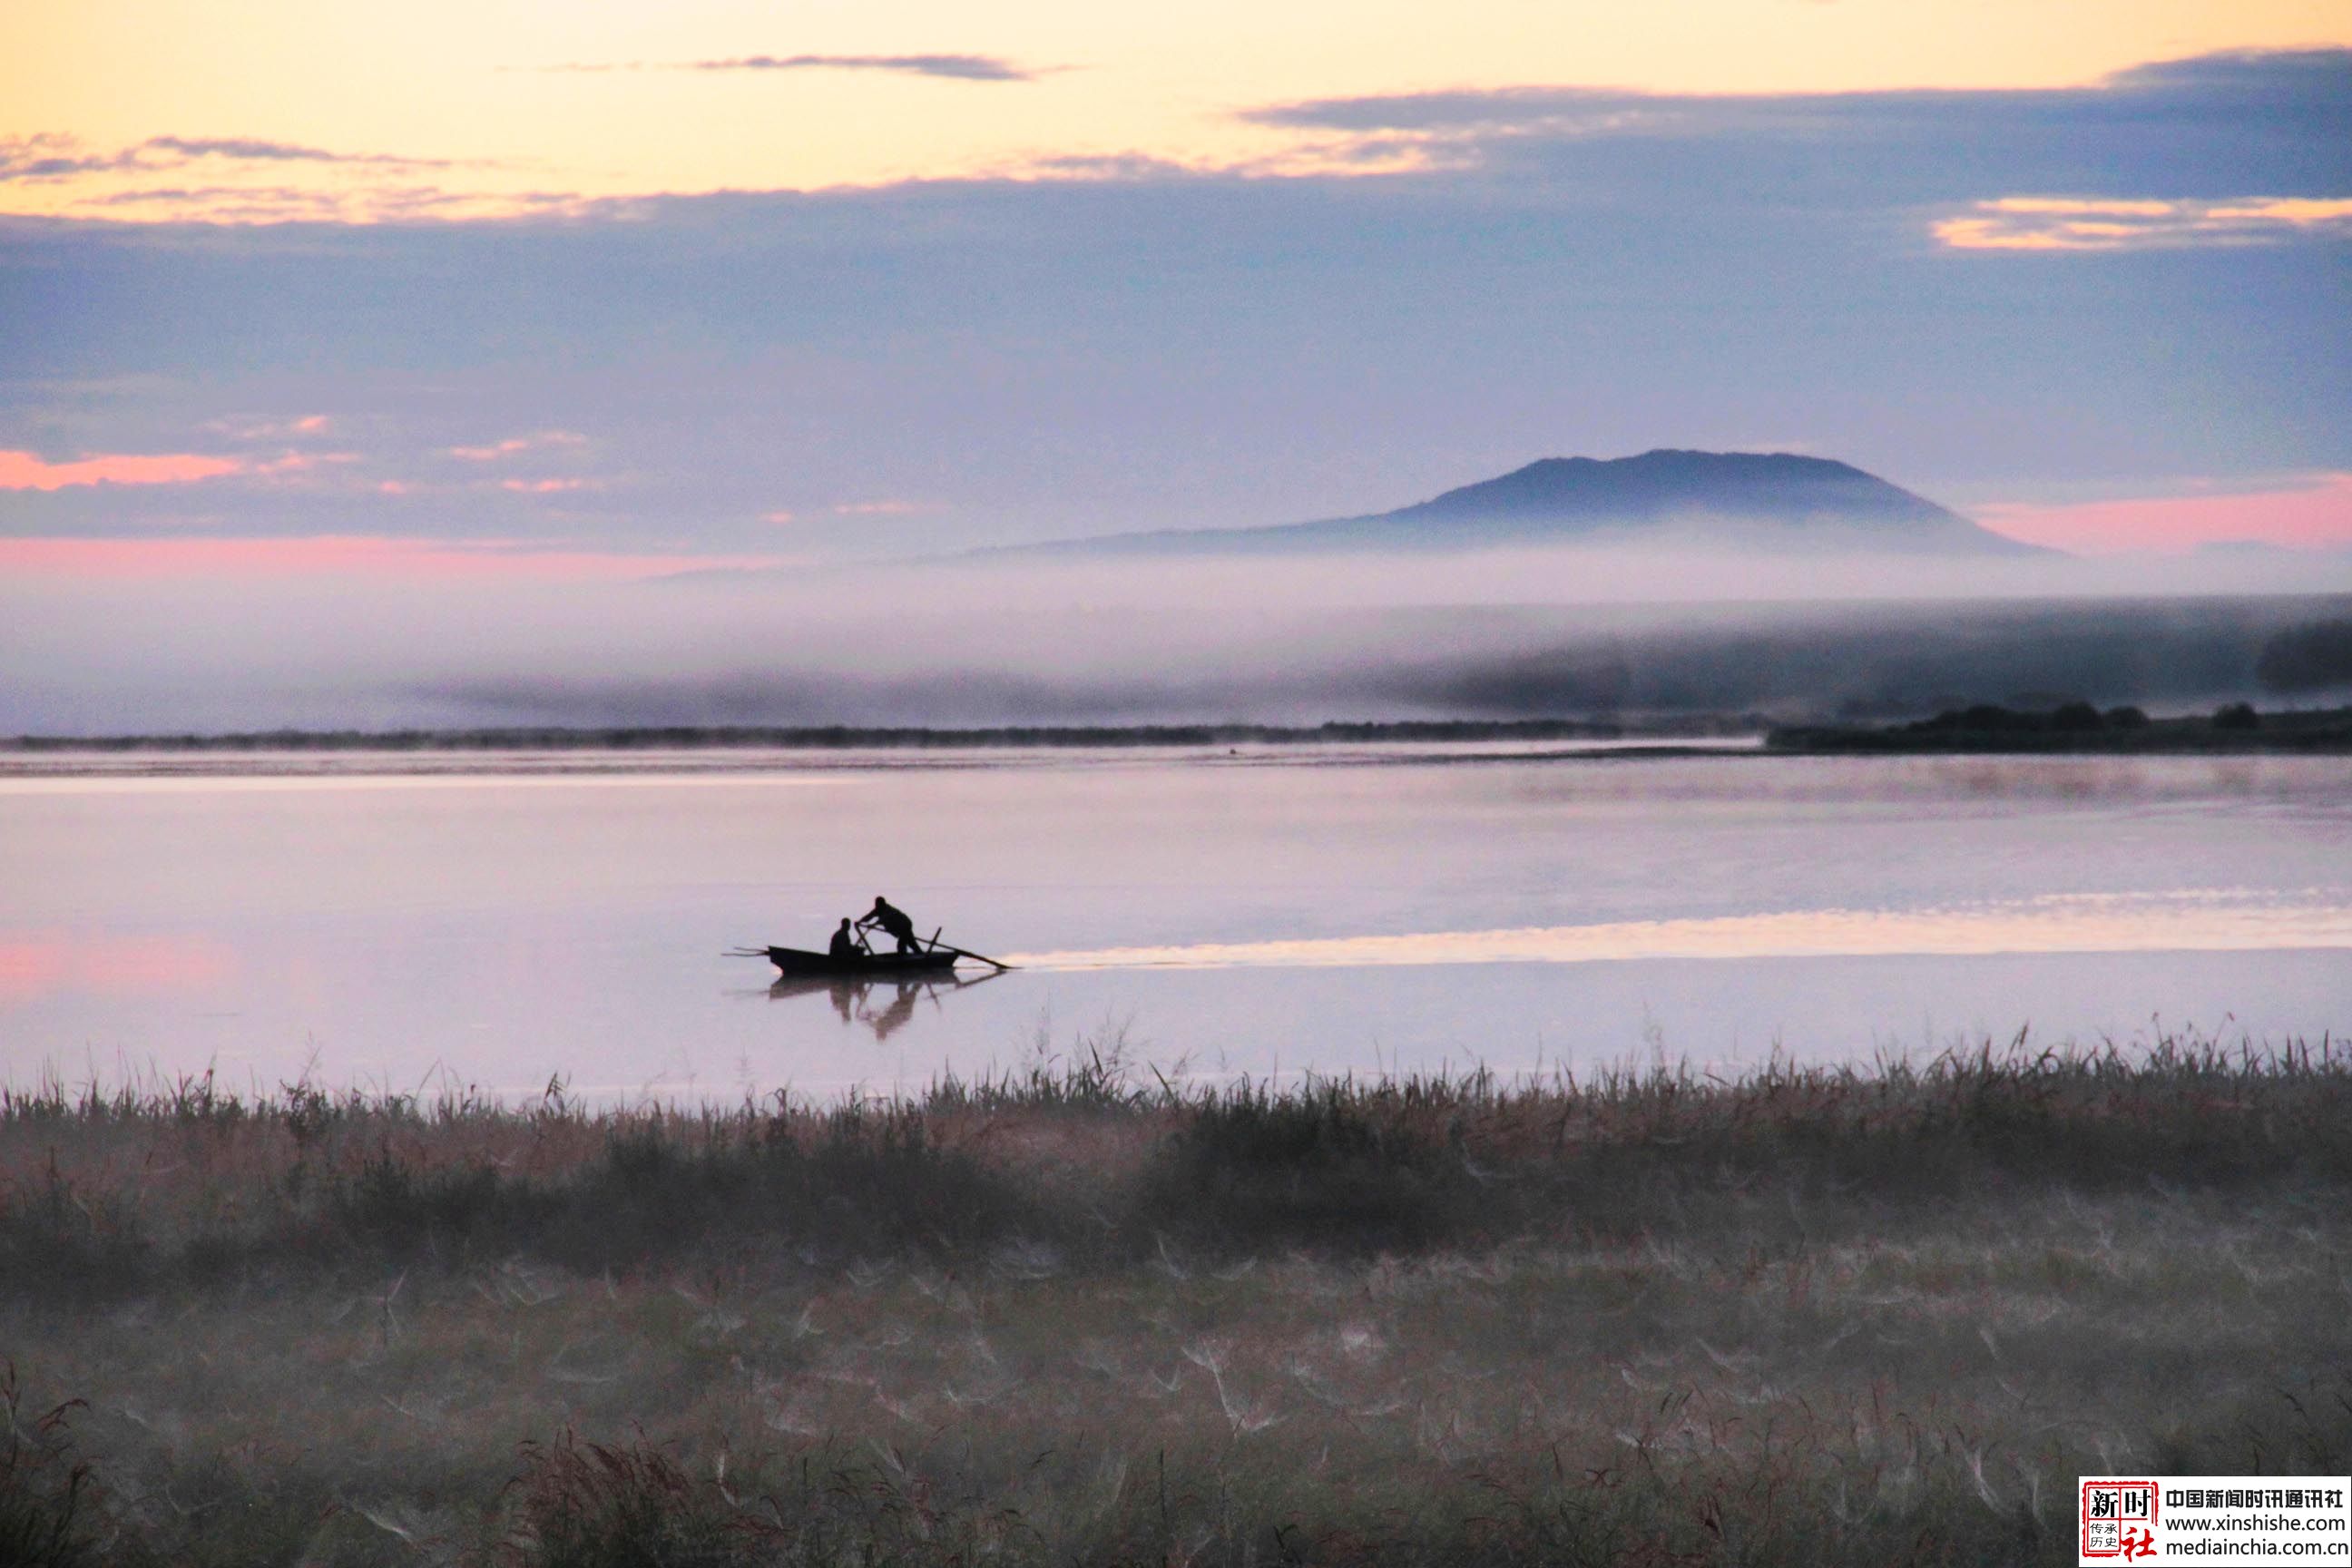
<point x="883" y="1005"/>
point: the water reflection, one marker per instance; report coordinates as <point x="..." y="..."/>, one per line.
<point x="884" y="1006"/>
<point x="34" y="966"/>
<point x="2197" y="920"/>
<point x="509" y="928"/>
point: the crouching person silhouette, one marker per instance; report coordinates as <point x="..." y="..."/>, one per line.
<point x="894" y="921"/>
<point x="845" y="942"/>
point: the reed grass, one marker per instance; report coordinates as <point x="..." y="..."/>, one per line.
<point x="1085" y="1313"/>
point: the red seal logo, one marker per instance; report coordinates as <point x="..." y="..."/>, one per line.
<point x="2115" y="1520"/>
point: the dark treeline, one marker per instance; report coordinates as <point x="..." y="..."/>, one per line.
<point x="2080" y="727"/>
<point x="1881" y="663"/>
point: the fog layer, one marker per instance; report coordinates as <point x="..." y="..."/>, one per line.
<point x="1499" y="634"/>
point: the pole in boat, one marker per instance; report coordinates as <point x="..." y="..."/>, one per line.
<point x="936" y="945"/>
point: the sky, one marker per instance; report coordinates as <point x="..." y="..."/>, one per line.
<point x="302" y="300"/>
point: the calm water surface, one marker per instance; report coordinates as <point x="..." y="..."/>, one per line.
<point x="396" y="921"/>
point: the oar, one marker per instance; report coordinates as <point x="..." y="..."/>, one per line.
<point x="936" y="945"/>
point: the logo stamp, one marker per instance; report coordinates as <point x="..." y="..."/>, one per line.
<point x="2213" y="1519"/>
<point x="2117" y="1519"/>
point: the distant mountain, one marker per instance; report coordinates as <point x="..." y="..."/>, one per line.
<point x="1769" y="500"/>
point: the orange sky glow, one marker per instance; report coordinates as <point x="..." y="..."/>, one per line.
<point x="263" y="110"/>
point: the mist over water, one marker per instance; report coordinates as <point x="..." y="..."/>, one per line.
<point x="1282" y="639"/>
<point x="396" y="921"/>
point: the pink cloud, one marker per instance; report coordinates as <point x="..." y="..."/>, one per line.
<point x="515" y="444"/>
<point x="347" y="555"/>
<point x="287" y="468"/>
<point x="26" y="471"/>
<point x="256" y="427"/>
<point x="486" y="454"/>
<point x="2314" y="515"/>
<point x="543" y="487"/>
<point x="303" y="462"/>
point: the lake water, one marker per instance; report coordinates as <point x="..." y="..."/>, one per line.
<point x="406" y="920"/>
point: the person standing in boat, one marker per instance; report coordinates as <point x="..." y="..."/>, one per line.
<point x="845" y="942"/>
<point x="894" y="921"/>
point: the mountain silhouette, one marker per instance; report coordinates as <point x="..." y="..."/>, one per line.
<point x="1775" y="501"/>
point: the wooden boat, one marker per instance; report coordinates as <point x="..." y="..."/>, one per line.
<point x="933" y="960"/>
<point x="796" y="961"/>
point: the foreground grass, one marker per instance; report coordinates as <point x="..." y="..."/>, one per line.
<point x="1812" y="1316"/>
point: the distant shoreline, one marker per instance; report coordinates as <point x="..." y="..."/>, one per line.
<point x="846" y="737"/>
<point x="2076" y="729"/>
